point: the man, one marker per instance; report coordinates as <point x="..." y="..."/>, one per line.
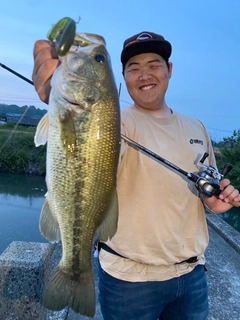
<point x="154" y="266"/>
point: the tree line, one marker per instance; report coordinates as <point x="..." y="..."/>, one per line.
<point x="27" y="110"/>
<point x="228" y="151"/>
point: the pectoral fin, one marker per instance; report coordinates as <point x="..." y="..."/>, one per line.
<point x="108" y="227"/>
<point x="41" y="135"/>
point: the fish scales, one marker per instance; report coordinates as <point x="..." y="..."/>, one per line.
<point x="83" y="142"/>
<point x="86" y="166"/>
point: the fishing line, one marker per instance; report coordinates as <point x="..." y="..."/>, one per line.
<point x="14" y="130"/>
<point x="22" y="116"/>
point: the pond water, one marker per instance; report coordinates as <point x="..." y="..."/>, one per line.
<point x="21" y="200"/>
<point x="232" y="217"/>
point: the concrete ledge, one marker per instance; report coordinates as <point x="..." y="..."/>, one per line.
<point x="61" y="315"/>
<point x="227" y="232"/>
<point x="23" y="271"/>
<point x="223" y="275"/>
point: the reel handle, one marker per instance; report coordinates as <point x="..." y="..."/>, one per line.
<point x="228" y="167"/>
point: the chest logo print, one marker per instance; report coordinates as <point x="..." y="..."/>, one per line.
<point x="192" y="141"/>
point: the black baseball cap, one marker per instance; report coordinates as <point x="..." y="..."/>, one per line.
<point x="145" y="42"/>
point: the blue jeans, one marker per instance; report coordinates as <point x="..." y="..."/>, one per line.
<point x="183" y="298"/>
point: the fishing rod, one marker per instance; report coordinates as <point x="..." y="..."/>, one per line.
<point x="206" y="181"/>
<point x="16" y="73"/>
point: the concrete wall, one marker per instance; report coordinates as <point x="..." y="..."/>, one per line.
<point x="24" y="269"/>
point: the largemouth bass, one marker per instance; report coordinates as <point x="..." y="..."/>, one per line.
<point x="82" y="131"/>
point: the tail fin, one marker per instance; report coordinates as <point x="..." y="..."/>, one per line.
<point x="78" y="295"/>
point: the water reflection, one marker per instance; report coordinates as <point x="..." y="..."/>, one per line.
<point x="21" y="200"/>
<point x="232" y="217"/>
<point x="22" y="185"/>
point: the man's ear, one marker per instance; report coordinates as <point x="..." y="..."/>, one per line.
<point x="170" y="69"/>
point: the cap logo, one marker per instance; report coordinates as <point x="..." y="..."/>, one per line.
<point x="144" y="36"/>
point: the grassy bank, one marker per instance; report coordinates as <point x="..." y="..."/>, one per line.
<point x="18" y="152"/>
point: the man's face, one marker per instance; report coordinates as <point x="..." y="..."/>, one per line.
<point x="147" y="77"/>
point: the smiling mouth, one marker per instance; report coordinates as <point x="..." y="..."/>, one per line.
<point x="147" y="87"/>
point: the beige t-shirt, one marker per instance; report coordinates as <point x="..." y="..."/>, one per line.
<point x="161" y="216"/>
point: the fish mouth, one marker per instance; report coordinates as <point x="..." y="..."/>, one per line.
<point x="74" y="103"/>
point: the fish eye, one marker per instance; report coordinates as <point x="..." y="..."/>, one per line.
<point x="100" y="58"/>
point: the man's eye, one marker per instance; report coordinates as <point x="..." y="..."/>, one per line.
<point x="133" y="70"/>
